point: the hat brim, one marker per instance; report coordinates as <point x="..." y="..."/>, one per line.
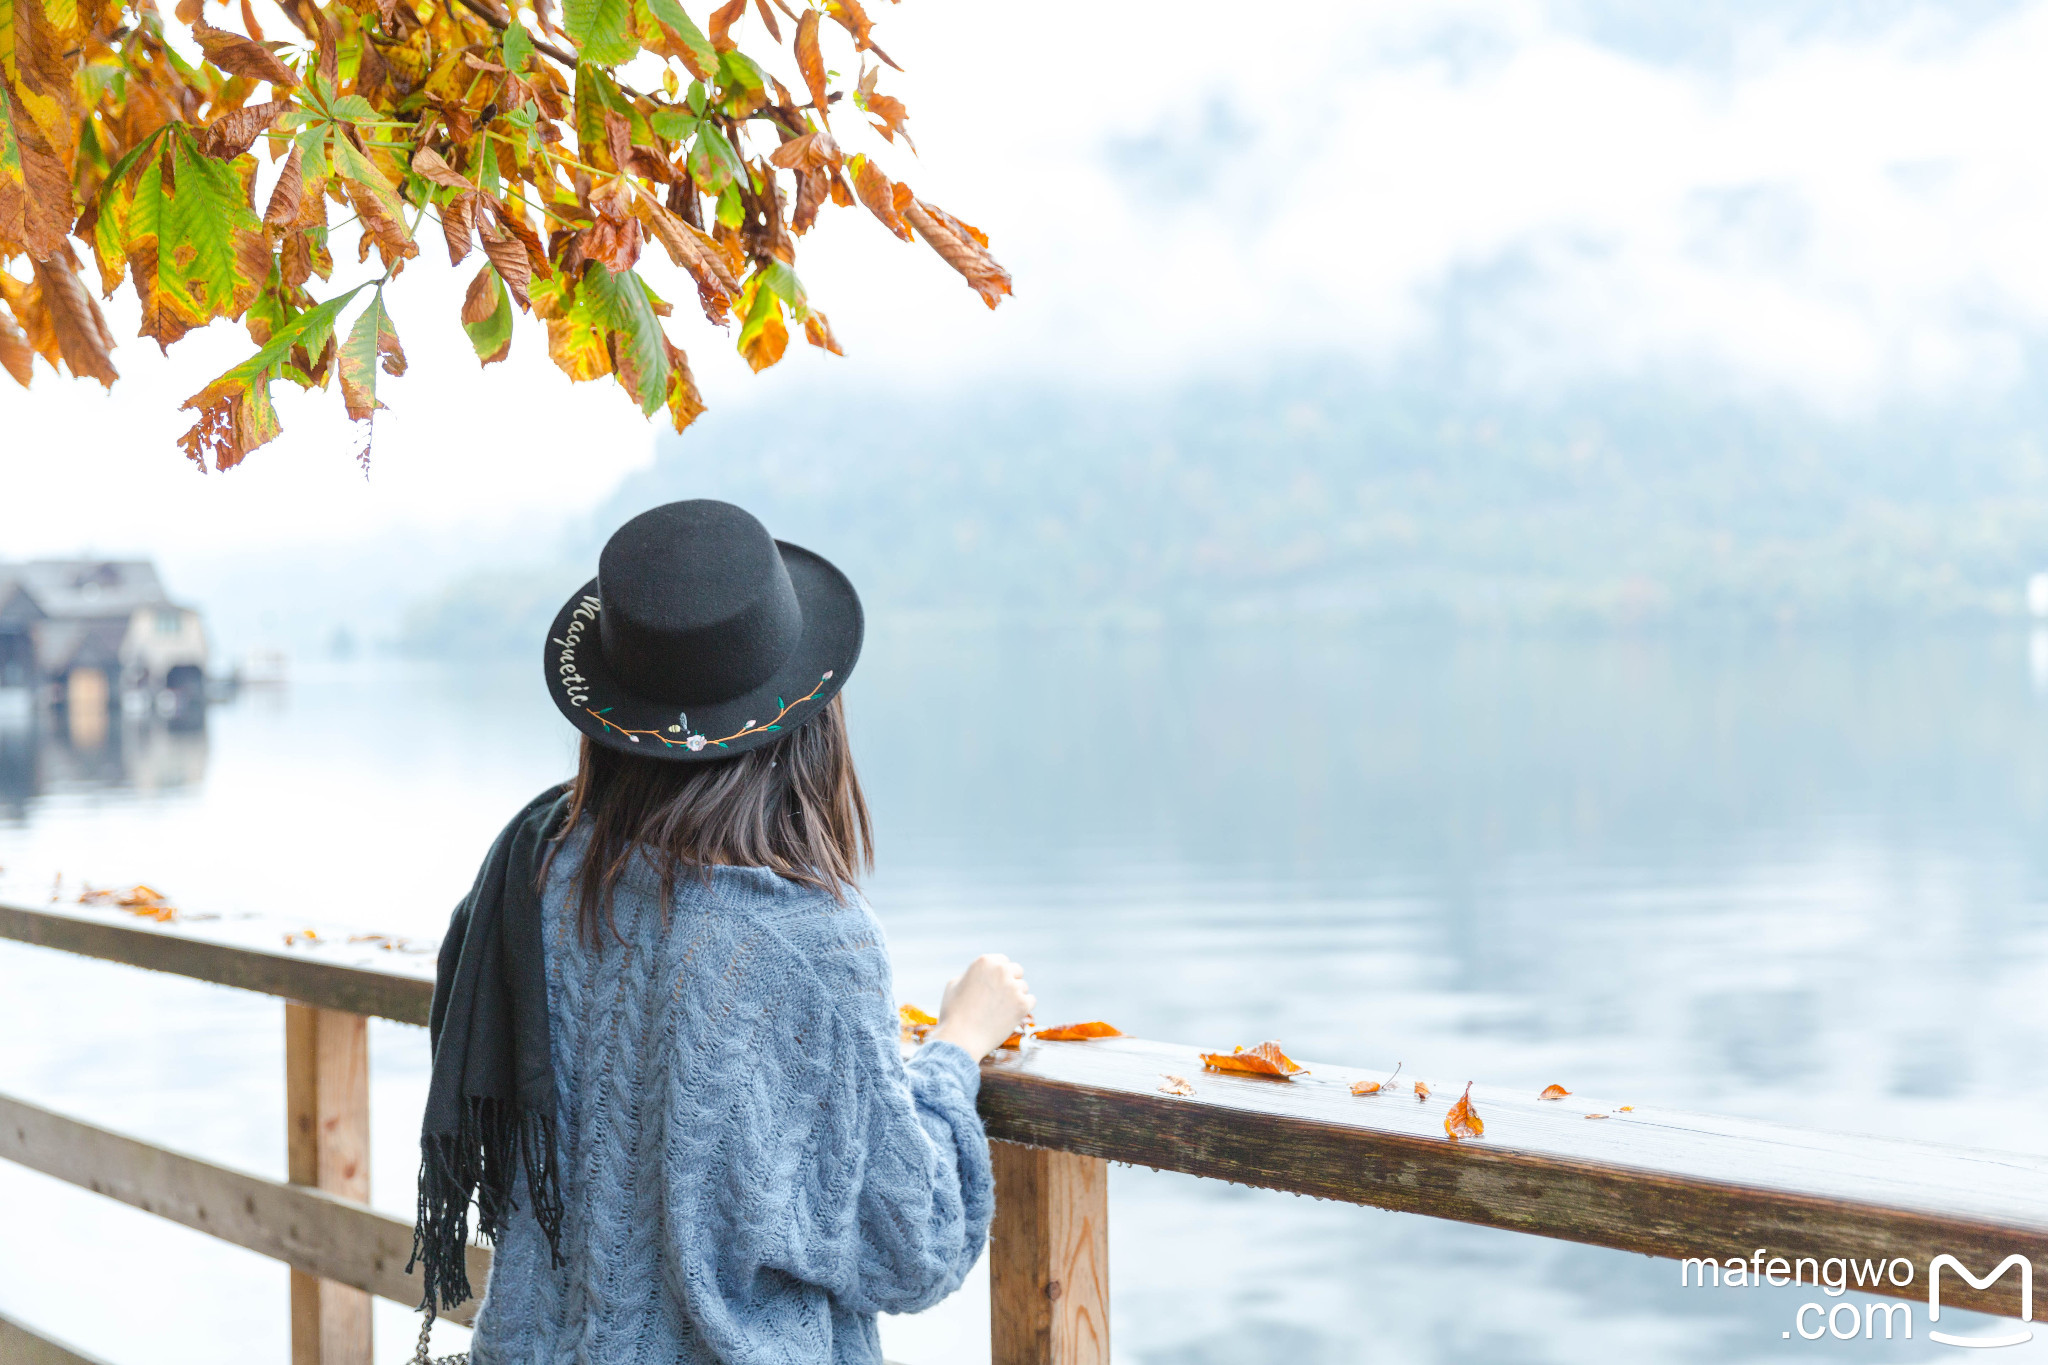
<point x="586" y="692"/>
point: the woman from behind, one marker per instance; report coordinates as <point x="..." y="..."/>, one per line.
<point x="667" y="1065"/>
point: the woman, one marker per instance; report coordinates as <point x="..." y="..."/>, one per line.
<point x="666" y="1059"/>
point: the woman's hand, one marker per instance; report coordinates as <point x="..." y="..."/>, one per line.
<point x="983" y="1005"/>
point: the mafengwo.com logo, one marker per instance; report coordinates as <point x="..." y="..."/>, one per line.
<point x="1836" y="1275"/>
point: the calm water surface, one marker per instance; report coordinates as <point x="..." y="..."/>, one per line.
<point x="1793" y="877"/>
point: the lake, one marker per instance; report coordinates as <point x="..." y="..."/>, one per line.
<point x="1793" y="875"/>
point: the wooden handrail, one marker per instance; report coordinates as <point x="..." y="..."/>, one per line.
<point x="293" y="975"/>
<point x="1658" y="1181"/>
<point x="310" y="1230"/>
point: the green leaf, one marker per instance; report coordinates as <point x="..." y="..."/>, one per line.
<point x="763" y="335"/>
<point x="673" y="124"/>
<point x="602" y="30"/>
<point x="671" y="17"/>
<point x="782" y="281"/>
<point x="378" y="208"/>
<point x="110" y="206"/>
<point x="517" y="46"/>
<point x="492" y="337"/>
<point x="196" y="250"/>
<point x="731" y="210"/>
<point x="712" y="162"/>
<point x="313" y="165"/>
<point x="272" y="310"/>
<point x="589" y="106"/>
<point x="487" y="175"/>
<point x="235" y="412"/>
<point x="736" y="70"/>
<point x="371" y="339"/>
<point x="621" y="306"/>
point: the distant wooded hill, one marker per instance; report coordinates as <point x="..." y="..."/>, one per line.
<point x="1613" y="505"/>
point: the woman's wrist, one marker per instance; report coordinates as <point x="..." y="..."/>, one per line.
<point x="942" y="1032"/>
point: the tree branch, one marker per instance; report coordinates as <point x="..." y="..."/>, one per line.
<point x="500" y="23"/>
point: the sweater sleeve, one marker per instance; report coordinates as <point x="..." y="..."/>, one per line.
<point x="928" y="1195"/>
<point x="891" y="1190"/>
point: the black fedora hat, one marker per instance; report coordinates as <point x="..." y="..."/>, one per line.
<point x="702" y="636"/>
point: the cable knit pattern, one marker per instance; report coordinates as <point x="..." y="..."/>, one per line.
<point x="750" y="1169"/>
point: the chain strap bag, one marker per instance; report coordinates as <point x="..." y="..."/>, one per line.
<point x="420" y="1356"/>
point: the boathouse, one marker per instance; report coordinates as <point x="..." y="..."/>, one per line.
<point x="96" y="626"/>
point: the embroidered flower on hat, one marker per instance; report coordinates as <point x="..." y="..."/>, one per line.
<point x="697" y="742"/>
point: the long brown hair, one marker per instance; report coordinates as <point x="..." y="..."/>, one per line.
<point x="793" y="806"/>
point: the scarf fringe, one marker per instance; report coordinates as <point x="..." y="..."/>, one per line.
<point x="476" y="1163"/>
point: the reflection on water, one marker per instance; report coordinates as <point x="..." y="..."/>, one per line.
<point x="72" y="749"/>
<point x="1795" y="878"/>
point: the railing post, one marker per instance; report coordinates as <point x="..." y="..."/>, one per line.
<point x="1048" y="1258"/>
<point x="327" y="1136"/>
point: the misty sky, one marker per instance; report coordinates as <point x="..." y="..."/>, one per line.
<point x="1757" y="198"/>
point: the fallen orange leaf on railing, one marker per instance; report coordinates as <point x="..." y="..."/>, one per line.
<point x="1264" y="1060"/>
<point x="915" y="1023"/>
<point x="145" y="901"/>
<point x="1077" y="1033"/>
<point x="1421" y="1092"/>
<point x="1463" y="1120"/>
<point x="1553" y="1092"/>
<point x="1175" y="1085"/>
<point x="1377" y="1087"/>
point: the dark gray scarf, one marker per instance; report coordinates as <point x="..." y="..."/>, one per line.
<point x="491" y="1104"/>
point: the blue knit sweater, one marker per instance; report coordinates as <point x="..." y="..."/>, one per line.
<point x="750" y="1170"/>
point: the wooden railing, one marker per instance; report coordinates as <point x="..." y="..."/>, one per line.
<point x="1655" y="1181"/>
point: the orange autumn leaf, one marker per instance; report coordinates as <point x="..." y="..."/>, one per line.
<point x="1626" y="1109"/>
<point x="138" y="129"/>
<point x="1013" y="1042"/>
<point x="1174" y="1085"/>
<point x="1264" y="1060"/>
<point x="1077" y="1033"/>
<point x="915" y="1023"/>
<point x="1377" y="1087"/>
<point x="878" y="192"/>
<point x="144" y="902"/>
<point x="1462" y="1120"/>
<point x="722" y="20"/>
<point x="810" y="60"/>
<point x="1553" y="1092"/>
<point x="1421" y="1092"/>
<point x="1598" y="1116"/>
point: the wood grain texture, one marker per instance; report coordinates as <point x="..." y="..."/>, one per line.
<point x="310" y="1230"/>
<point x="1019" y="1258"/>
<point x="294" y="975"/>
<point x="327" y="1147"/>
<point x="1077" y="1205"/>
<point x="21" y="1344"/>
<point x="1662" y="1182"/>
<point x="1049" y="1258"/>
